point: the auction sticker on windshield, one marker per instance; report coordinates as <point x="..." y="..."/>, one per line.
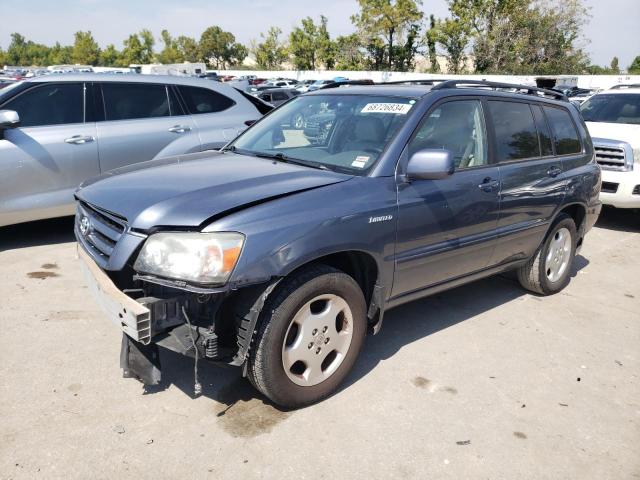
<point x="400" y="108"/>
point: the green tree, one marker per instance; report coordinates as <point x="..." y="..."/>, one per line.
<point x="109" y="57"/>
<point x="431" y="39"/>
<point x="615" y="65"/>
<point x="310" y="45"/>
<point x="634" y="68"/>
<point x="385" y="24"/>
<point x="349" y="54"/>
<point x="169" y="53"/>
<point x="453" y="35"/>
<point x="303" y="45"/>
<point x="327" y="48"/>
<point x="271" y="52"/>
<point x="60" y="55"/>
<point x="148" y="41"/>
<point x="524" y="36"/>
<point x="132" y="53"/>
<point x="85" y="49"/>
<point x="17" y="51"/>
<point x="187" y="48"/>
<point x="3" y="58"/>
<point x="219" y="48"/>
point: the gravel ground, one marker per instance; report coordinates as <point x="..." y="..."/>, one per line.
<point x="484" y="381"/>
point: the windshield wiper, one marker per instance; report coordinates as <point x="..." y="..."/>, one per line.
<point x="281" y="157"/>
<point x="286" y="159"/>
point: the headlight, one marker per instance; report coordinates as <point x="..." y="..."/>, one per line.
<point x="193" y="257"/>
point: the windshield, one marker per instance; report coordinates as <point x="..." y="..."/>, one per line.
<point x="612" y="108"/>
<point x="339" y="132"/>
<point x="6" y="91"/>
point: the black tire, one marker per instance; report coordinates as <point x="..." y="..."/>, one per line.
<point x="533" y="275"/>
<point x="266" y="371"/>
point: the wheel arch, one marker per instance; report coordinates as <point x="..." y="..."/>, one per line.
<point x="578" y="212"/>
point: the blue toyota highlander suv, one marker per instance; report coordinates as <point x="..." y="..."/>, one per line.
<point x="280" y="252"/>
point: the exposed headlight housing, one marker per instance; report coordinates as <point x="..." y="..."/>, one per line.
<point x="204" y="258"/>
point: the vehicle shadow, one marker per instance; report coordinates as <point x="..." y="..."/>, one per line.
<point x="402" y="326"/>
<point x="33" y="234"/>
<point x="619" y="219"/>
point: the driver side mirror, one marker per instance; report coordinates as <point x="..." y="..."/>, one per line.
<point x="430" y="164"/>
<point x="9" y="119"/>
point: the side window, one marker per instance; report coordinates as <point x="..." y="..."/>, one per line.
<point x="203" y="100"/>
<point x="515" y="130"/>
<point x="457" y="126"/>
<point x="49" y="104"/>
<point x="565" y="136"/>
<point x="128" y="101"/>
<point x="280" y="96"/>
<point x="543" y="131"/>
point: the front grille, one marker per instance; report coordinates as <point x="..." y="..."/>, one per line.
<point x="610" y="157"/>
<point x="613" y="154"/>
<point x="102" y="233"/>
<point x="609" y="187"/>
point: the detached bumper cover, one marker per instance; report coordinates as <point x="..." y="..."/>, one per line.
<point x="133" y="318"/>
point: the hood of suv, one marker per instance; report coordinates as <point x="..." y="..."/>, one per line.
<point x="622" y="132"/>
<point x="188" y="190"/>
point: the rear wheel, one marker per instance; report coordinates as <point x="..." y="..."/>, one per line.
<point x="311" y="332"/>
<point x="549" y="270"/>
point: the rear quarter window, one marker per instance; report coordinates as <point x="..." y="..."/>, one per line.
<point x="202" y="100"/>
<point x="565" y="135"/>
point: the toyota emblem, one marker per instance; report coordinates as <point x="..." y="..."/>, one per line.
<point x="85" y="226"/>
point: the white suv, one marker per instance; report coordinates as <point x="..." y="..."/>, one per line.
<point x="613" y="119"/>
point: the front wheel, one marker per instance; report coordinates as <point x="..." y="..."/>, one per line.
<point x="310" y="334"/>
<point x="549" y="270"/>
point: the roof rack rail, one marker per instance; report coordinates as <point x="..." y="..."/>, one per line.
<point x="365" y="81"/>
<point x="501" y="86"/>
<point x="429" y="81"/>
<point x="621" y="86"/>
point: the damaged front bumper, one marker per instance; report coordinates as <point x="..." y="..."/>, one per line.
<point x="147" y="323"/>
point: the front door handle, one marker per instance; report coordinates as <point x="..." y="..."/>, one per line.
<point x="554" y="171"/>
<point x="488" y="185"/>
<point x="180" y="129"/>
<point x="79" y="139"/>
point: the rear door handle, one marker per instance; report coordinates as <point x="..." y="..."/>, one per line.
<point x="554" y="171"/>
<point x="180" y="129"/>
<point x="79" y="139"/>
<point x="488" y="185"/>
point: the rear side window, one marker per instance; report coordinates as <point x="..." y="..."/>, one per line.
<point x="202" y="100"/>
<point x="565" y="135"/>
<point x="543" y="131"/>
<point x="49" y="104"/>
<point x="515" y="131"/>
<point x="128" y="101"/>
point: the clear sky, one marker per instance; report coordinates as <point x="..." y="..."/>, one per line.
<point x="614" y="28"/>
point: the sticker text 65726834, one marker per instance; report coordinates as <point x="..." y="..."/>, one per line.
<point x="399" y="108"/>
